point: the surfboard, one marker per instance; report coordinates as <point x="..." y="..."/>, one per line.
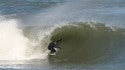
<point x="52" y="54"/>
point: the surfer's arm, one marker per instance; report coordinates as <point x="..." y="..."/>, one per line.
<point x="56" y="46"/>
<point x="59" y="47"/>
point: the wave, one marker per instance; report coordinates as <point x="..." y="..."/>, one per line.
<point x="83" y="42"/>
<point x="88" y="42"/>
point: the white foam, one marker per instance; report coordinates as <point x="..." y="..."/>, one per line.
<point x="12" y="42"/>
<point x="14" y="45"/>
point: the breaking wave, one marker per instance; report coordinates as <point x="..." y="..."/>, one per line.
<point x="83" y="42"/>
<point x="89" y="42"/>
<point x="15" y="45"/>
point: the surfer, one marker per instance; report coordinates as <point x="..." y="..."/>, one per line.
<point x="53" y="45"/>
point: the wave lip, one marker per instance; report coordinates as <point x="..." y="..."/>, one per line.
<point x="88" y="42"/>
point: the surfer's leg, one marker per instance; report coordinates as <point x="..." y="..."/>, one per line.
<point x="53" y="50"/>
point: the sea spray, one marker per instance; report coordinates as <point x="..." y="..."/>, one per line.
<point x="13" y="44"/>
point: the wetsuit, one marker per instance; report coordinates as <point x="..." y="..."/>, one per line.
<point x="52" y="47"/>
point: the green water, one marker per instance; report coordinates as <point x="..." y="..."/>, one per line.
<point x="89" y="43"/>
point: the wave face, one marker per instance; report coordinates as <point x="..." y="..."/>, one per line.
<point x="88" y="42"/>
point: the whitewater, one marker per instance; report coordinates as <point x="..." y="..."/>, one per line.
<point x="14" y="45"/>
<point x="93" y="34"/>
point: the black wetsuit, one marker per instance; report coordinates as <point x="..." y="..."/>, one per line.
<point x="52" y="46"/>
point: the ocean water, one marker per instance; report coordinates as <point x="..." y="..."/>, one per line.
<point x="92" y="32"/>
